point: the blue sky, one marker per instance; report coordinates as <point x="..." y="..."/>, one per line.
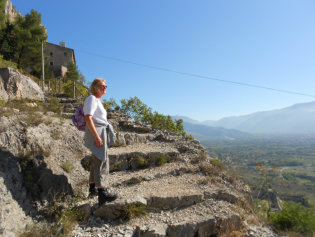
<point x="267" y="43"/>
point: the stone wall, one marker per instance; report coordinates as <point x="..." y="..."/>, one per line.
<point x="59" y="57"/>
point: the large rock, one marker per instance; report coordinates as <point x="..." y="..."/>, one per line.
<point x="14" y="85"/>
<point x="14" y="204"/>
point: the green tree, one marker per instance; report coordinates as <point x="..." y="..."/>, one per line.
<point x="8" y="41"/>
<point x="30" y="34"/>
<point x="111" y="104"/>
<point x="82" y="78"/>
<point x="2" y="15"/>
<point x="48" y="72"/>
<point x="73" y="72"/>
<point x="135" y="108"/>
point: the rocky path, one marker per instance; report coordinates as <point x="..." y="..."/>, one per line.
<point x="179" y="197"/>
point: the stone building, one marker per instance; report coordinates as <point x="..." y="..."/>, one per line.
<point x="59" y="57"/>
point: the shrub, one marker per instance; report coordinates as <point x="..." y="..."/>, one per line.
<point x="217" y="163"/>
<point x="139" y="111"/>
<point x="116" y="165"/>
<point x="134" y="210"/>
<point x="294" y="217"/>
<point x="190" y="137"/>
<point x="64" y="220"/>
<point x="160" y="160"/>
<point x="110" y="104"/>
<point x="5" y="63"/>
<point x="142" y="162"/>
<point x="53" y="105"/>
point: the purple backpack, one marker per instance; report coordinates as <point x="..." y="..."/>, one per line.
<point x="78" y="118"/>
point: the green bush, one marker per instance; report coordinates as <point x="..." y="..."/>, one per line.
<point x="160" y="160"/>
<point x="217" y="163"/>
<point x="142" y="162"/>
<point x="53" y="105"/>
<point x="5" y="63"/>
<point x="137" y="110"/>
<point x="110" y="104"/>
<point x="133" y="210"/>
<point x="295" y="217"/>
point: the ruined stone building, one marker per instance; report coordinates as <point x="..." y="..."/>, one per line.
<point x="59" y="57"/>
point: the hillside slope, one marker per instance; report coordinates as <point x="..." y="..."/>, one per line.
<point x="182" y="191"/>
<point x="178" y="189"/>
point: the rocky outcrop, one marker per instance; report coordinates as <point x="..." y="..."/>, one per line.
<point x="14" y="204"/>
<point x="166" y="184"/>
<point x="14" y="85"/>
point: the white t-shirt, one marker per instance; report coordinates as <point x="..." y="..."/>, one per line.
<point x="94" y="107"/>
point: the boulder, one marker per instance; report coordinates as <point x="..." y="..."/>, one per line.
<point x="14" y="85"/>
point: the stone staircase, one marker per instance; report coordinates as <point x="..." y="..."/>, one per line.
<point x="170" y="198"/>
<point x="67" y="103"/>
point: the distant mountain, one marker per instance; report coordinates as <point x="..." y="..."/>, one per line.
<point x="296" y="119"/>
<point x="204" y="132"/>
<point x="186" y="119"/>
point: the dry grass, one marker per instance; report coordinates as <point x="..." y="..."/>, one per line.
<point x="202" y="156"/>
<point x="133" y="181"/>
<point x="55" y="134"/>
<point x="6" y="112"/>
<point x="206" y="180"/>
<point x="134" y="210"/>
<point x="232" y="176"/>
<point x="67" y="166"/>
<point x="116" y="165"/>
<point x="64" y="216"/>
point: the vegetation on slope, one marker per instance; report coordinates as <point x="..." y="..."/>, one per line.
<point x="285" y="166"/>
<point x="139" y="111"/>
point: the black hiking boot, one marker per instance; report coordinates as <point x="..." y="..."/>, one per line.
<point x="92" y="191"/>
<point x="104" y="196"/>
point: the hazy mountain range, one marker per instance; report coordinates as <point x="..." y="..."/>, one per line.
<point x="296" y="119"/>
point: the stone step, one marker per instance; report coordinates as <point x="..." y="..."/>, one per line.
<point x="208" y="218"/>
<point x="130" y="125"/>
<point x="132" y="177"/>
<point x="69" y="101"/>
<point x="140" y="156"/>
<point x="130" y="138"/>
<point x="204" y="219"/>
